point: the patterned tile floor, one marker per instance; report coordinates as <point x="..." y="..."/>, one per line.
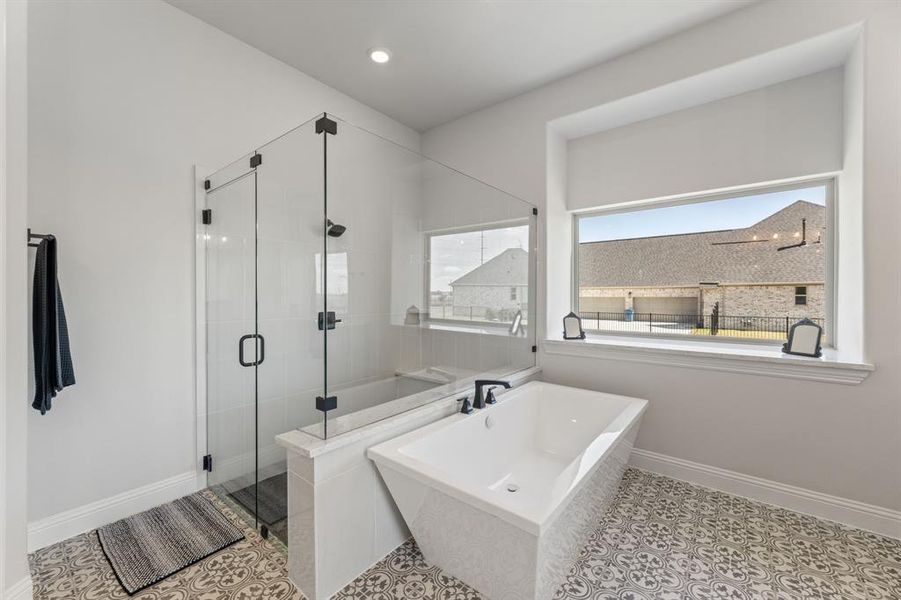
<point x="253" y="569"/>
<point x="662" y="539"/>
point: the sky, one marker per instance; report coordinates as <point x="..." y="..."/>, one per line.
<point x="731" y="213"/>
<point x="454" y="255"/>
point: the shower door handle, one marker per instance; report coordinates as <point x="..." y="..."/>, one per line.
<point x="261" y="346"/>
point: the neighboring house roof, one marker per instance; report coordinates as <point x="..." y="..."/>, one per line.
<point x="728" y="256"/>
<point x="509" y="268"/>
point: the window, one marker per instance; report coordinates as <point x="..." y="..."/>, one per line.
<point x="722" y="266"/>
<point x="475" y="274"/>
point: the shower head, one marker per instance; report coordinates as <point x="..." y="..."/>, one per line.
<point x="335" y="230"/>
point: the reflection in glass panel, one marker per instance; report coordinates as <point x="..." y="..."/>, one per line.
<point x="480" y="275"/>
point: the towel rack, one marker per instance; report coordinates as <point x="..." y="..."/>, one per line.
<point x="37" y="236"/>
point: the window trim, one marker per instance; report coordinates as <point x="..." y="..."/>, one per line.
<point x="831" y="241"/>
<point x="525" y="221"/>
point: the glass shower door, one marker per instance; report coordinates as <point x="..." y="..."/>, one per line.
<point x="265" y="350"/>
<point x="289" y="249"/>
<point x="234" y="348"/>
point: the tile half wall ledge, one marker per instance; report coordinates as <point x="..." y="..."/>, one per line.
<point x="750" y="359"/>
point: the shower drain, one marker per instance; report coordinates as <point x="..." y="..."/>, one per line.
<point x="512" y="487"/>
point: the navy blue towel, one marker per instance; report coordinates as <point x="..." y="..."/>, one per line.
<point x="52" y="359"/>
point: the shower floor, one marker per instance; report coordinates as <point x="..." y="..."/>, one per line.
<point x="271" y="504"/>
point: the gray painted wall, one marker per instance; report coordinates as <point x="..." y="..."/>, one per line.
<point x="835" y="439"/>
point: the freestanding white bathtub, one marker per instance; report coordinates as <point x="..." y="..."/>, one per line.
<point x="506" y="497"/>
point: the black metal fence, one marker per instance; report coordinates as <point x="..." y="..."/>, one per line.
<point x="749" y="327"/>
<point x="477" y="313"/>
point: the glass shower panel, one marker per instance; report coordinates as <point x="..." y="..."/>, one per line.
<point x="427" y="272"/>
<point x="289" y="255"/>
<point x="231" y="316"/>
<point x="481" y="274"/>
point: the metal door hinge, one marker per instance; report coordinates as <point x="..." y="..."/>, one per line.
<point x="535" y="211"/>
<point x="206" y="184"/>
<point x="326" y="404"/>
<point x="534" y="348"/>
<point x="256" y="160"/>
<point x="207" y="216"/>
<point x="327" y="125"/>
<point x="208" y="463"/>
<point x="328" y="322"/>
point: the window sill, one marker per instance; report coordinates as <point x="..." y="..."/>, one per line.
<point x="481" y="328"/>
<point x="749" y="359"/>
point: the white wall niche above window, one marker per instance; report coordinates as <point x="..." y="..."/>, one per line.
<point x="737" y="266"/>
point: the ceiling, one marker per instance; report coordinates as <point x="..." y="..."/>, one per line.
<point x="449" y="57"/>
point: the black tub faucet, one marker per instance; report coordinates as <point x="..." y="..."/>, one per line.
<point x="478" y="401"/>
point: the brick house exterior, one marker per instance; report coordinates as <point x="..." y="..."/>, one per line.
<point x="495" y="290"/>
<point x="741" y="269"/>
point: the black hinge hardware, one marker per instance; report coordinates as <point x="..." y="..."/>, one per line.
<point x="327" y="125"/>
<point x="328" y="322"/>
<point x="256" y="160"/>
<point x="206" y="184"/>
<point x="326" y="404"/>
<point x="534" y="348"/>
<point x="535" y="211"/>
<point x="208" y="463"/>
<point x="206" y="216"/>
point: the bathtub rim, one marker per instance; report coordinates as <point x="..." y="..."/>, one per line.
<point x="388" y="455"/>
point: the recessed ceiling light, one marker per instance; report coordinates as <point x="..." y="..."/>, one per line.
<point x="379" y="55"/>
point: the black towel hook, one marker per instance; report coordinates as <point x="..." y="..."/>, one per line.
<point x="37" y="236"/>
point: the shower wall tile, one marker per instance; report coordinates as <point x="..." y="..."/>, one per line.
<point x="226" y="266"/>
<point x="365" y="345"/>
<point x="229" y="383"/>
<point x="410" y="358"/>
<point x="272" y="421"/>
<point x="304" y="371"/>
<point x="272" y="301"/>
<point x="443" y="348"/>
<point x="301" y="410"/>
<point x="271" y="377"/>
<point x="300" y="277"/>
<point x="468" y="351"/>
<point x="233" y="435"/>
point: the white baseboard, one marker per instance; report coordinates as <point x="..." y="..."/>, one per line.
<point x="64" y="525"/>
<point x="879" y="520"/>
<point x="20" y="591"/>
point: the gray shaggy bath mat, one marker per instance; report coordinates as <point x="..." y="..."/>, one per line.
<point x="148" y="547"/>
